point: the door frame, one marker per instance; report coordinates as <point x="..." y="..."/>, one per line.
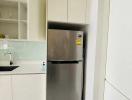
<point x="97" y="49"/>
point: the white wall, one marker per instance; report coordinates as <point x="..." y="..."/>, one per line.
<point x="112" y="93"/>
<point x="119" y="59"/>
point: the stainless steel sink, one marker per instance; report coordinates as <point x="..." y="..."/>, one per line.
<point x="8" y="68"/>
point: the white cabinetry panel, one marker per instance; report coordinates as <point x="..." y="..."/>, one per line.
<point x="37" y="20"/>
<point x="29" y="87"/>
<point x="57" y="10"/>
<point x="88" y="6"/>
<point x="71" y="11"/>
<point x="5" y="88"/>
<point x="77" y="11"/>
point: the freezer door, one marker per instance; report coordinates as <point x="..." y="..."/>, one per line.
<point x="65" y="45"/>
<point x="64" y="81"/>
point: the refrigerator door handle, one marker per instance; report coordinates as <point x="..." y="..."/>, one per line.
<point x="64" y="62"/>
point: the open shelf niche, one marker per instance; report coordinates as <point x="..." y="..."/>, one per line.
<point x="13" y="19"/>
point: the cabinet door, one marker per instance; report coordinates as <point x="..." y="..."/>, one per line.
<point x="77" y="11"/>
<point x="37" y="20"/>
<point x="29" y="87"/>
<point x="88" y="5"/>
<point x="5" y="88"/>
<point x="57" y="10"/>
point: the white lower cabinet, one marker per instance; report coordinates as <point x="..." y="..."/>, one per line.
<point x="29" y="87"/>
<point x="23" y="87"/>
<point x="5" y="87"/>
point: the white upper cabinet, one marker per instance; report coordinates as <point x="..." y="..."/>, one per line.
<point x="71" y="11"/>
<point x="57" y="10"/>
<point x="88" y="5"/>
<point x="29" y="87"/>
<point x="37" y="20"/>
<point x="5" y="88"/>
<point x="77" y="11"/>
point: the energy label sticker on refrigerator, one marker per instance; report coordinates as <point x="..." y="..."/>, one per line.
<point x="78" y="41"/>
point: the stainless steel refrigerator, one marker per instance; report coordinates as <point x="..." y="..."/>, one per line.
<point x="65" y="65"/>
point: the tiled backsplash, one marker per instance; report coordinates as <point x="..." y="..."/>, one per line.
<point x="24" y="50"/>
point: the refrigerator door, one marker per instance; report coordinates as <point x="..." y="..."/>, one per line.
<point x="65" y="45"/>
<point x="64" y="81"/>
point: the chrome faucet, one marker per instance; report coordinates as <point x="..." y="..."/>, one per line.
<point x="10" y="57"/>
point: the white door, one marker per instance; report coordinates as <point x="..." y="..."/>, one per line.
<point x="77" y="11"/>
<point x="29" y="87"/>
<point x="112" y="94"/>
<point x="5" y="88"/>
<point x="57" y="10"/>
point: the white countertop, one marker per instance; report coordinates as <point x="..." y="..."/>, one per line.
<point x="26" y="67"/>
